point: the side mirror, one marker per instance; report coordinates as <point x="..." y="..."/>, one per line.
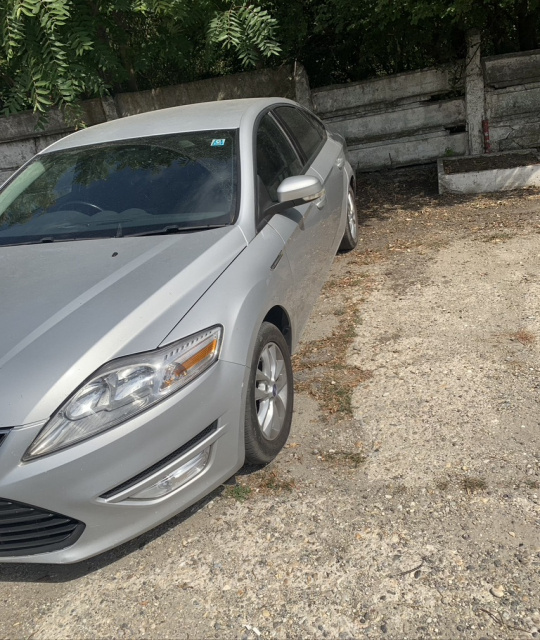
<point x="305" y="188"/>
<point x="295" y="191"/>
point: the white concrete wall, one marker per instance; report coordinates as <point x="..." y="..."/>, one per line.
<point x="474" y="94"/>
<point x="417" y="117"/>
<point x="512" y="69"/>
<point x="21" y="137"/>
<point x="373" y="94"/>
<point x="408" y="118"/>
<point x="513" y="100"/>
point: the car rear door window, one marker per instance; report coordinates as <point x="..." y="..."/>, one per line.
<point x="276" y="160"/>
<point x="308" y="136"/>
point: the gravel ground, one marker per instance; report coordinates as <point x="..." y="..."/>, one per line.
<point x="406" y="504"/>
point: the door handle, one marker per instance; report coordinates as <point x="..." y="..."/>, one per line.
<point x="340" y="162"/>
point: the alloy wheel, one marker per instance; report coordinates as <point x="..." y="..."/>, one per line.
<point x="352" y="218"/>
<point x="271" y="391"/>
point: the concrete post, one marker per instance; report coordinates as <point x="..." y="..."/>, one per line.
<point x="109" y="108"/>
<point x="302" y="91"/>
<point x="474" y="94"/>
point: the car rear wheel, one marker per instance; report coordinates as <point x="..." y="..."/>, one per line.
<point x="270" y="397"/>
<point x="350" y="237"/>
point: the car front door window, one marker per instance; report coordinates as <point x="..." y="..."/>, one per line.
<point x="308" y="137"/>
<point x="276" y="160"/>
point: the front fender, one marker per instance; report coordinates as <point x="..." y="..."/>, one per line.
<point x="257" y="280"/>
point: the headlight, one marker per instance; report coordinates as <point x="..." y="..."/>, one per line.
<point x="123" y="388"/>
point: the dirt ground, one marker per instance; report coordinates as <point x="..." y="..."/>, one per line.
<point x="406" y="504"/>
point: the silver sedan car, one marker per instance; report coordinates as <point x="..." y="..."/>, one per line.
<point x="157" y="273"/>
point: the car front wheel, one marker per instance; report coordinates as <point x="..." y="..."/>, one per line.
<point x="269" y="403"/>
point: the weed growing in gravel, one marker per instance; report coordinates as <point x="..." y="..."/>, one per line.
<point x="237" y="492"/>
<point x="321" y="365"/>
<point x="265" y="481"/>
<point x="471" y="484"/>
<point x="347" y="458"/>
<point x="397" y="489"/>
<point x="497" y="237"/>
<point x="271" y="481"/>
<point x="340" y="397"/>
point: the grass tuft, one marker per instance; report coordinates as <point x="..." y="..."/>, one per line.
<point x="260" y="482"/>
<point x="238" y="492"/>
<point x="271" y="481"/>
<point x="498" y="237"/>
<point x="472" y="484"/>
<point x="346" y="458"/>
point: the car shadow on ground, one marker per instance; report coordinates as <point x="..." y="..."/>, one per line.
<point x="54" y="573"/>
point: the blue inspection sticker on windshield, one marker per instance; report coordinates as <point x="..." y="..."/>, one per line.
<point x="218" y="142"/>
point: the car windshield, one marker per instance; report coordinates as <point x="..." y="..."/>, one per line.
<point x="162" y="184"/>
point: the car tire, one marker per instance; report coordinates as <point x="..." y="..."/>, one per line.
<point x="350" y="237"/>
<point x="269" y="403"/>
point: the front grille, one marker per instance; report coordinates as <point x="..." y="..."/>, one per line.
<point x="26" y="530"/>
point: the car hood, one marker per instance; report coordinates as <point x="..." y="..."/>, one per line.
<point x="68" y="308"/>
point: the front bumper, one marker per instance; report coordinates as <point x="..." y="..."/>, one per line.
<point x="73" y="482"/>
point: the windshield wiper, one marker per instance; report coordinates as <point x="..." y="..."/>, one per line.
<point x="45" y="240"/>
<point x="175" y="228"/>
<point x="169" y="229"/>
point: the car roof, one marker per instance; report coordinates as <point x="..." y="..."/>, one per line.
<point x="221" y="114"/>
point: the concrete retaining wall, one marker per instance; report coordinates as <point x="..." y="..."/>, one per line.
<point x="418" y="117"/>
<point x="267" y="82"/>
<point x="20" y="139"/>
<point x="403" y="119"/>
<point x="513" y="100"/>
<point x="407" y="118"/>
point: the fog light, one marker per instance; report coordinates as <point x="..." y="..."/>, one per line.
<point x="175" y="479"/>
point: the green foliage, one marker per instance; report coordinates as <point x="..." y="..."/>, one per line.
<point x="56" y="52"/>
<point x="247" y="29"/>
<point x="44" y="43"/>
<point x="355" y="39"/>
<point x="238" y="492"/>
